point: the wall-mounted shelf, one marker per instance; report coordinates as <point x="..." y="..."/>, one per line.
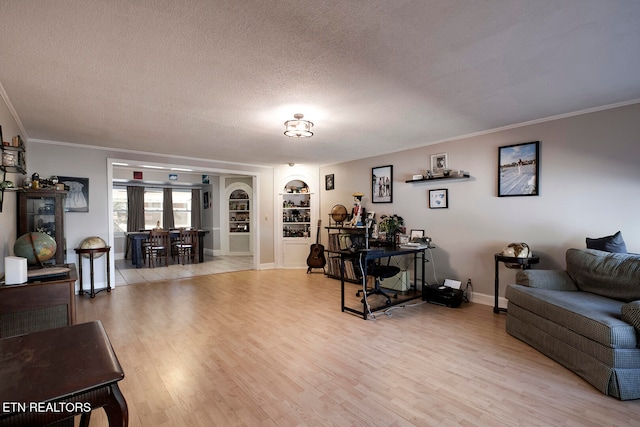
<point x="18" y="166"/>
<point x="438" y="178"/>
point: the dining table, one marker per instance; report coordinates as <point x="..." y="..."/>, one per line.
<point x="135" y="239"/>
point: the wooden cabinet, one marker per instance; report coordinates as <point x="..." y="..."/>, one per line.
<point x="42" y="303"/>
<point x="43" y="211"/>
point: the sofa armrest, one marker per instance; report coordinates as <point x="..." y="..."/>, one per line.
<point x="558" y="280"/>
<point x="631" y="314"/>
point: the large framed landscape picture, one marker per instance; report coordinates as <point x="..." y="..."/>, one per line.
<point x="518" y="173"/>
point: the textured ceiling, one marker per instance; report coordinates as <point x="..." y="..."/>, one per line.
<point x="217" y="79"/>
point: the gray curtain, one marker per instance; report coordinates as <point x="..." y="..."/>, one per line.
<point x="167" y="209"/>
<point x="196" y="209"/>
<point x="135" y="208"/>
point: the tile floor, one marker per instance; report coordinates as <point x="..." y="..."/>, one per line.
<point x="127" y="274"/>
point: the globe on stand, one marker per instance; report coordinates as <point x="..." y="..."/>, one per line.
<point x="93" y="242"/>
<point x="36" y="247"/>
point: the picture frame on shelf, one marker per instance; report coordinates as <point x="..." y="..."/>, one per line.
<point x="439" y="162"/>
<point x="382" y="184"/>
<point x="439" y="199"/>
<point x="77" y="199"/>
<point x="518" y="169"/>
<point x="403" y="239"/>
<point x="329" y="182"/>
<point x="416" y="235"/>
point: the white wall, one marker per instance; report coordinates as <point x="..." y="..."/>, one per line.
<point x="8" y="216"/>
<point x="589" y="187"/>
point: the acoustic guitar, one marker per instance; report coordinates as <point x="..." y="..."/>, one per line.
<point x="316" y="257"/>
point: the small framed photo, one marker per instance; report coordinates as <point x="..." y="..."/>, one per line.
<point x="173" y="177"/>
<point x="205" y="179"/>
<point x="439" y="199"/>
<point x="416" y="235"/>
<point x="403" y="239"/>
<point x="382" y="184"/>
<point x="518" y="170"/>
<point x="329" y="183"/>
<point x="439" y="162"/>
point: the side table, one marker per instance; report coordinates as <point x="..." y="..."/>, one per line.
<point x="56" y="374"/>
<point x="524" y="263"/>
<point x="92" y="252"/>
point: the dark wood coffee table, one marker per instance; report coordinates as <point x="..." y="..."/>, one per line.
<point x="56" y="374"/>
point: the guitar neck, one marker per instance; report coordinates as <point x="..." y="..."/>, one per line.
<point x="318" y="233"/>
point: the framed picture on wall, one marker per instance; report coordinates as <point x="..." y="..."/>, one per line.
<point x="329" y="183"/>
<point x="518" y="169"/>
<point x="77" y="199"/>
<point x="382" y="184"/>
<point x="439" y="199"/>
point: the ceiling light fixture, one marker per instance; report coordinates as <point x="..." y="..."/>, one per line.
<point x="298" y="128"/>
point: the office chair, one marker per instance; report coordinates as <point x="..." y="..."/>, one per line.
<point x="379" y="273"/>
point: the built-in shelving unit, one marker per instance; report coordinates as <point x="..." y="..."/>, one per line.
<point x="239" y="212"/>
<point x="453" y="175"/>
<point x="296" y="210"/>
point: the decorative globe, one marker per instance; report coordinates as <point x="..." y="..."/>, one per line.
<point x="93" y="242"/>
<point x="338" y="213"/>
<point x="31" y="244"/>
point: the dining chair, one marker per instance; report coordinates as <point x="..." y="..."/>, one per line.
<point x="158" y="247"/>
<point x="187" y="245"/>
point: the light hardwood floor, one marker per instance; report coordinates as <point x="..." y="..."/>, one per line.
<point x="272" y="348"/>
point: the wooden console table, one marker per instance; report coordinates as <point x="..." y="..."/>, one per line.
<point x="53" y="375"/>
<point x="42" y="303"/>
<point x="92" y="255"/>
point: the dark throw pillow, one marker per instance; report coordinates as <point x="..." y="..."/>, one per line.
<point x="613" y="244"/>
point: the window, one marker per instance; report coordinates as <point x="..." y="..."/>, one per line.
<point x="119" y="210"/>
<point x="152" y="208"/>
<point x="182" y="208"/>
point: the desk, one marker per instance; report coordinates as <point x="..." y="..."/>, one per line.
<point x="378" y="253"/>
<point x="92" y="252"/>
<point x="524" y="263"/>
<point x="42" y="303"/>
<point x="73" y="368"/>
<point x="136" y="238"/>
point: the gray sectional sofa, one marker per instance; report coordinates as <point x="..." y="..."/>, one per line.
<point x="586" y="317"/>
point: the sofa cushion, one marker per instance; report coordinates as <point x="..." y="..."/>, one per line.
<point x="631" y="314"/>
<point x="613" y="243"/>
<point x="611" y="275"/>
<point x="592" y="316"/>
